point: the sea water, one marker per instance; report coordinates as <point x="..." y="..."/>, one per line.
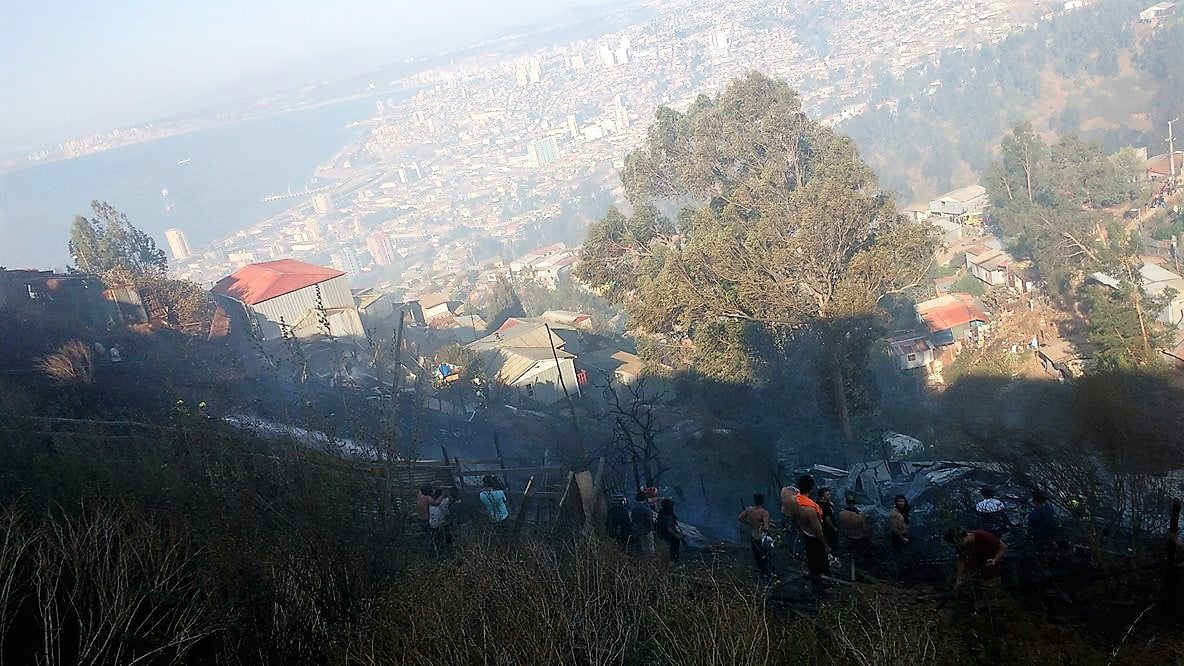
<point x="217" y="192"/>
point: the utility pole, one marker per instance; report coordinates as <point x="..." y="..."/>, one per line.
<point x="1172" y="149"/>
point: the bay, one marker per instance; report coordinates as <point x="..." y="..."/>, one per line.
<point x="216" y="193"/>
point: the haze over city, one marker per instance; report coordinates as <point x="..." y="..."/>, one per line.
<point x="75" y="67"/>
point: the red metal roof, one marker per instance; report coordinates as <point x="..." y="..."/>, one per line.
<point x="946" y="312"/>
<point x="256" y="283"/>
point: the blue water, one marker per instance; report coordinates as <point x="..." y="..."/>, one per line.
<point x="215" y="195"/>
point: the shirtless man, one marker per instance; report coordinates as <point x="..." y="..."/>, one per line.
<point x="756" y="517"/>
<point x="854" y="528"/>
<point x="789" y="505"/>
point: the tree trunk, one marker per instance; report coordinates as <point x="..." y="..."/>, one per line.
<point x="1137" y="297"/>
<point x="842" y="411"/>
<point x="1028" y="170"/>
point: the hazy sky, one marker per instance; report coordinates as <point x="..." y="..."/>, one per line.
<point x="72" y="67"/>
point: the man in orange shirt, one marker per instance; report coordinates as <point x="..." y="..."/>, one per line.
<point x="756" y="517"/>
<point x="809" y="524"/>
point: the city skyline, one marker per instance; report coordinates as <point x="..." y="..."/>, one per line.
<point x="169" y="59"/>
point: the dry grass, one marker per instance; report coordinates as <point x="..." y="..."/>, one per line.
<point x="72" y="363"/>
<point x="541" y="603"/>
<point x="97" y="587"/>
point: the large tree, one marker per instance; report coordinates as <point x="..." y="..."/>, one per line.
<point x="782" y="232"/>
<point x="110" y="246"/>
<point x="1122" y="320"/>
<point x="108" y="240"/>
<point x="1047" y="200"/>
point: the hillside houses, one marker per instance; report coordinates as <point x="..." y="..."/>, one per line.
<point x="996" y="268"/>
<point x="546" y="264"/>
<point x="945" y="325"/>
<point x="951" y="319"/>
<point x="957" y="205"/>
<point x="529" y="358"/>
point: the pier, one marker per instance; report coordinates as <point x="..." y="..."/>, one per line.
<point x="296" y="195"/>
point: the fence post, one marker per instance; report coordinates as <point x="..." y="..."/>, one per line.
<point x="1170" y="602"/>
<point x="518" y="522"/>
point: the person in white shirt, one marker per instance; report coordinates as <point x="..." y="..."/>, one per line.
<point x="438" y="522"/>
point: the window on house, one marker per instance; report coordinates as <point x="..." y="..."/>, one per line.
<point x="912" y="357"/>
<point x="530" y="390"/>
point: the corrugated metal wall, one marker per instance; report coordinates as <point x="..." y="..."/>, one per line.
<point x="544" y="378"/>
<point x="295" y="306"/>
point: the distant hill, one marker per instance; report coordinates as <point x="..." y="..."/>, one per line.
<point x="1096" y="71"/>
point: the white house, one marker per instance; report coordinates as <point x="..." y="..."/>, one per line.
<point x="910" y="351"/>
<point x="960" y="202"/>
<point x="988" y="265"/>
<point x="520" y="355"/>
<point x="1156" y="11"/>
<point x="1156" y="281"/>
<point x="287" y="290"/>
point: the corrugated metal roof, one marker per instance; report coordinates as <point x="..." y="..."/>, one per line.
<point x="521" y="335"/>
<point x="946" y="312"/>
<point x="508" y="364"/>
<point x="264" y="281"/>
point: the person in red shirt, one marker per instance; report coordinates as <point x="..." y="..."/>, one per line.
<point x="979" y="555"/>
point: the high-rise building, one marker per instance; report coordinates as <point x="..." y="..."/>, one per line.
<point x="178" y="244"/>
<point x="575" y="61"/>
<point x="621" y="57"/>
<point x="542" y="152"/>
<point x="346" y="261"/>
<point x="323" y="204"/>
<point x="604" y="53"/>
<point x="620" y="113"/>
<point x="312" y="229"/>
<point x="573" y="129"/>
<point x="535" y="71"/>
<point x="381" y="248"/>
<point x="520" y="75"/>
<point x="720" y="40"/>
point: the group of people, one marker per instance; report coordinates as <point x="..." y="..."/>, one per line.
<point x="808" y="518"/>
<point x="434" y="507"/>
<point x="635" y="525"/>
<point x="811" y="522"/>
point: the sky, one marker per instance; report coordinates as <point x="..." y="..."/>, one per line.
<point x="69" y="68"/>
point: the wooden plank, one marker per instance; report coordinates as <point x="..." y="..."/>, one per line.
<point x="520" y="519"/>
<point x="589" y="485"/>
<point x="554" y="469"/>
<point x="563" y="501"/>
<point x="476" y="461"/>
<point x="501" y="459"/>
<point x="1170" y="598"/>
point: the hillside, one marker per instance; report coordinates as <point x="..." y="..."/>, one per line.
<point x="1096" y="72"/>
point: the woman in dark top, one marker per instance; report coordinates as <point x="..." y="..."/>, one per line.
<point x="829" y="529"/>
<point x="898" y="523"/>
<point x="666" y="527"/>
